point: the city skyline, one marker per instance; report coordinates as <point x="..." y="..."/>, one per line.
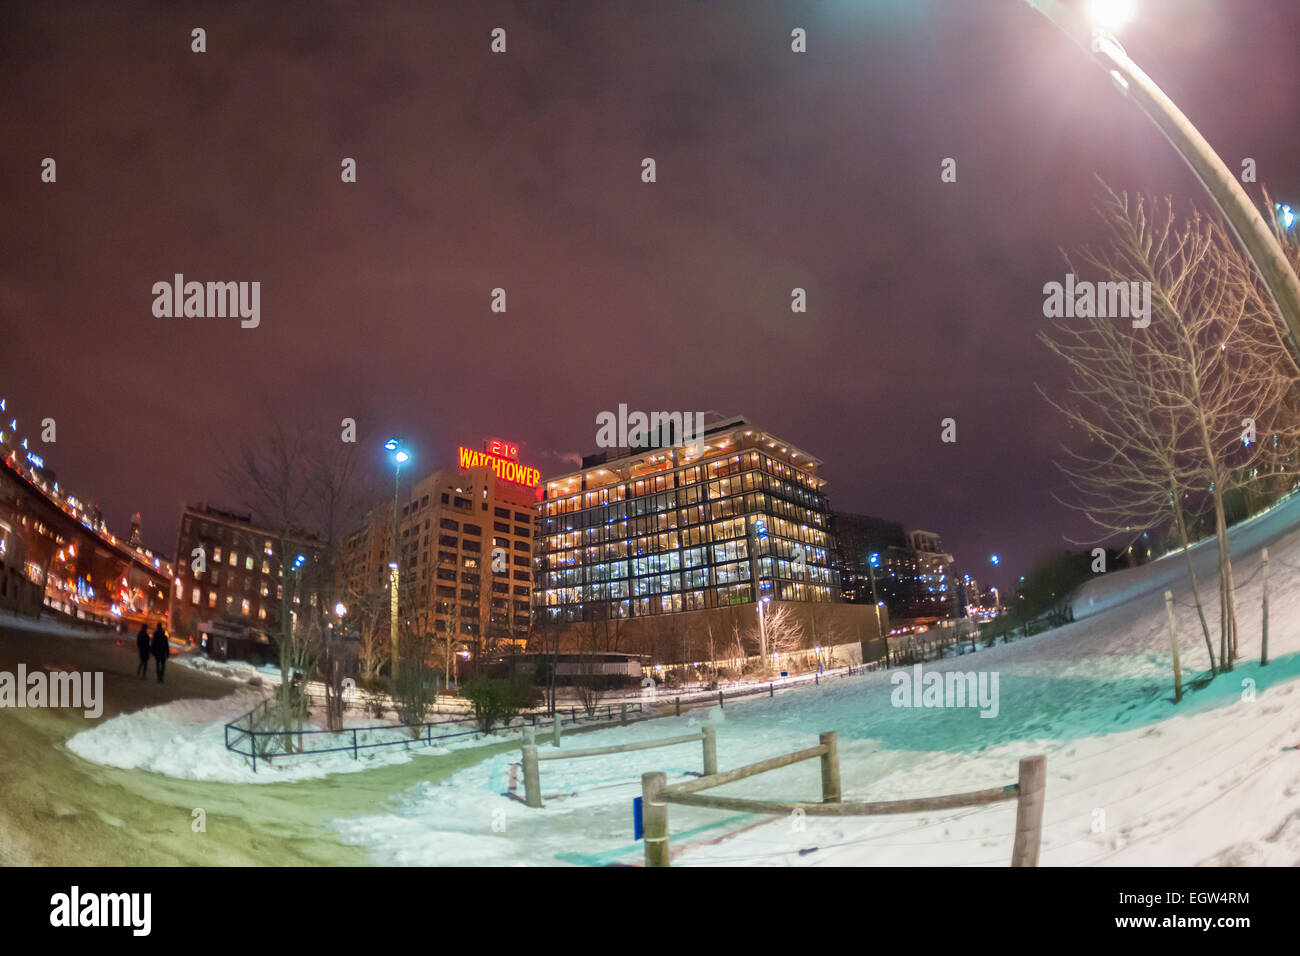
<point x="775" y="171"/>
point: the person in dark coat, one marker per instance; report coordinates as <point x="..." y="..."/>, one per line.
<point x="142" y="644"/>
<point x="160" y="649"/>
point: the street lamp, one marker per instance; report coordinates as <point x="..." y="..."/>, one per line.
<point x="1252" y="232"/>
<point x="400" y="456"/>
<point x="1110" y="14"/>
<point x="873" y="561"/>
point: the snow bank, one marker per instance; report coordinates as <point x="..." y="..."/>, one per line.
<point x="186" y="739"/>
<point x="52" y="627"/>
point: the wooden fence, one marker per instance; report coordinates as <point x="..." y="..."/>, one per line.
<point x="532" y="778"/>
<point x="656" y="795"/>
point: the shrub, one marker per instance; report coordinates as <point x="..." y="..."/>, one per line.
<point x="499" y="700"/>
<point x="412" y="695"/>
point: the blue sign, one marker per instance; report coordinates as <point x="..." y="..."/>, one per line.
<point x="638" y="829"/>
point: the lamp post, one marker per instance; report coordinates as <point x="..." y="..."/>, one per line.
<point x="400" y="456"/>
<point x="1245" y="221"/>
<point x="756" y="531"/>
<point x="872" y="561"/>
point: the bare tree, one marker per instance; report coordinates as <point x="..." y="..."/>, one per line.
<point x="1187" y="408"/>
<point x="307" y="493"/>
<point x="785" y="632"/>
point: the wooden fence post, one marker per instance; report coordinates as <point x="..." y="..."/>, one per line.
<point x="830" y="768"/>
<point x="622" y="713"/>
<point x="710" y="750"/>
<point x="679" y="707"/>
<point x="1029" y="811"/>
<point x="530" y="736"/>
<point x="555" y="737"/>
<point x="654" y="819"/>
<point x="532" y="783"/>
<point x="1263" y="652"/>
<point x="1173" y="642"/>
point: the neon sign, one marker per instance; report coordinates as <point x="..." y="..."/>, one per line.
<point x="507" y="469"/>
<point x="502" y="449"/>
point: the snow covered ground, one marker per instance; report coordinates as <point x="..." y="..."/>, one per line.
<point x="1133" y="779"/>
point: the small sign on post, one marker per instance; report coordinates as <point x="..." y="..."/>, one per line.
<point x="638" y="828"/>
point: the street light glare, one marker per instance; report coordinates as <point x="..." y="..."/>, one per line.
<point x="402" y="456"/>
<point x="1110" y="14"/>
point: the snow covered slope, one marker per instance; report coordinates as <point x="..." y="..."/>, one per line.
<point x="1133" y="779"/>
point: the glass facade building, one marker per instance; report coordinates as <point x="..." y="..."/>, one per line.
<point x="660" y="530"/>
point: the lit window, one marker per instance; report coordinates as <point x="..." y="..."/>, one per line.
<point x="245" y="607"/>
<point x="212" y="599"/>
<point x="194" y="597"/>
<point x="216" y="555"/>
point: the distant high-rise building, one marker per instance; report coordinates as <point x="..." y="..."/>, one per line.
<point x="667" y="547"/>
<point x="912" y="574"/>
<point x="464" y="552"/>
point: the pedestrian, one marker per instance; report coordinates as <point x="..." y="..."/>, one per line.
<point x="160" y="650"/>
<point x="142" y="644"/>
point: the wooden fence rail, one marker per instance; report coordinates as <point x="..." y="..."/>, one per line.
<point x="656" y="795"/>
<point x="532" y="776"/>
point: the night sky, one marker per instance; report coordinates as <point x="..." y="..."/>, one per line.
<point x="522" y="171"/>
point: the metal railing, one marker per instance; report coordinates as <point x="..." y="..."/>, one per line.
<point x="268" y="744"/>
<point x="769" y="688"/>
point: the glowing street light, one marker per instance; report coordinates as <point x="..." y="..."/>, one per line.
<point x="1253" y="233"/>
<point x="1111" y="14"/>
<point x="400" y="457"/>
